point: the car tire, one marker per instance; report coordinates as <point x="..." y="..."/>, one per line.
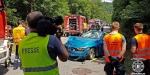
<point x="91" y="54"/>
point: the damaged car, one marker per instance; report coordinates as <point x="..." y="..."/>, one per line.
<point x="88" y="46"/>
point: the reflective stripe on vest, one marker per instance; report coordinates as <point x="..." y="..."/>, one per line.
<point x="142" y="41"/>
<point x="148" y="53"/>
<point x="114" y="45"/>
<point x="39" y="69"/>
<point x="139" y="55"/>
<point x="142" y="49"/>
<point x="114" y="51"/>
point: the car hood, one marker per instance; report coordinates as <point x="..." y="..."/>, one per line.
<point x="79" y="42"/>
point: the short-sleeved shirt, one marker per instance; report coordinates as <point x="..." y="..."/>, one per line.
<point x="27" y="31"/>
<point x="134" y="42"/>
<point x="54" y="47"/>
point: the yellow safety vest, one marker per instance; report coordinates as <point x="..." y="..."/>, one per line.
<point x="18" y="34"/>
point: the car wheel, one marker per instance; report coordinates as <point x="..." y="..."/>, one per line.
<point x="91" y="54"/>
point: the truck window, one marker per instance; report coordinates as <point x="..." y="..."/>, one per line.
<point x="73" y="23"/>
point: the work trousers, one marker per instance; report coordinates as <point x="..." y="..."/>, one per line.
<point x="120" y="69"/>
<point x="17" y="56"/>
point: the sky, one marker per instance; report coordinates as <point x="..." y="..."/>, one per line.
<point x="107" y="0"/>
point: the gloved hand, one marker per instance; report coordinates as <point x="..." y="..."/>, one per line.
<point x="114" y="60"/>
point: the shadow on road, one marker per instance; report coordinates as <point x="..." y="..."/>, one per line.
<point x="3" y="70"/>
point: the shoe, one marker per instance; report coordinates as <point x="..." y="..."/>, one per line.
<point x="21" y="66"/>
<point x="15" y="64"/>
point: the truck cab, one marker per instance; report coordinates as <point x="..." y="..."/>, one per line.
<point x="73" y="24"/>
<point x="92" y="22"/>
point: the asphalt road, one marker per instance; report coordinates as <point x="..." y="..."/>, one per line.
<point x="88" y="67"/>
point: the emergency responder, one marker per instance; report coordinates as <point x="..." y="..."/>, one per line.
<point x="89" y="27"/>
<point x="38" y="53"/>
<point x="114" y="49"/>
<point x="140" y="46"/>
<point x="18" y="35"/>
<point x="84" y="27"/>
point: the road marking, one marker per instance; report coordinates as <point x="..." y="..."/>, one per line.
<point x="93" y="59"/>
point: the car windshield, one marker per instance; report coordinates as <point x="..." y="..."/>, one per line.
<point x="106" y="29"/>
<point x="92" y="34"/>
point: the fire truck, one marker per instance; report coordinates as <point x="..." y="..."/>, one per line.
<point x="4" y="42"/>
<point x="92" y="22"/>
<point x="73" y="24"/>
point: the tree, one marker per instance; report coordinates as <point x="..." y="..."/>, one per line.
<point x="129" y="12"/>
<point x="80" y="7"/>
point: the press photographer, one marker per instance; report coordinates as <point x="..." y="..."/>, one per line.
<point x="48" y="46"/>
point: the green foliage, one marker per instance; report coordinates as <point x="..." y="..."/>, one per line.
<point x="95" y="9"/>
<point x="129" y="12"/>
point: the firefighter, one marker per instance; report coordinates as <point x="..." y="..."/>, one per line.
<point x="38" y="52"/>
<point x="18" y="35"/>
<point x="140" y="46"/>
<point x="84" y="27"/>
<point x="114" y="49"/>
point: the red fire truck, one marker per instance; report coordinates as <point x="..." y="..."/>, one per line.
<point x="4" y="42"/>
<point x="73" y="24"/>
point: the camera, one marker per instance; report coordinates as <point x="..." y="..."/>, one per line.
<point x="50" y="26"/>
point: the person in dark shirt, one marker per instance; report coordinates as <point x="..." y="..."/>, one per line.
<point x="140" y="46"/>
<point x="27" y="29"/>
<point x="38" y="25"/>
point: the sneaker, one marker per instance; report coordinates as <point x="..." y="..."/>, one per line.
<point x="15" y="64"/>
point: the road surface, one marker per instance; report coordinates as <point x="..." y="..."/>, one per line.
<point x="88" y="67"/>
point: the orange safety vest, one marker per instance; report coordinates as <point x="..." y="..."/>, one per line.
<point x="143" y="46"/>
<point x="114" y="45"/>
<point x="148" y="51"/>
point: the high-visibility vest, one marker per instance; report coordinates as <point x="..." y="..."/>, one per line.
<point x="148" y="50"/>
<point x="34" y="56"/>
<point x="114" y="45"/>
<point x="142" y="41"/>
<point x="84" y="25"/>
<point x="18" y="34"/>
